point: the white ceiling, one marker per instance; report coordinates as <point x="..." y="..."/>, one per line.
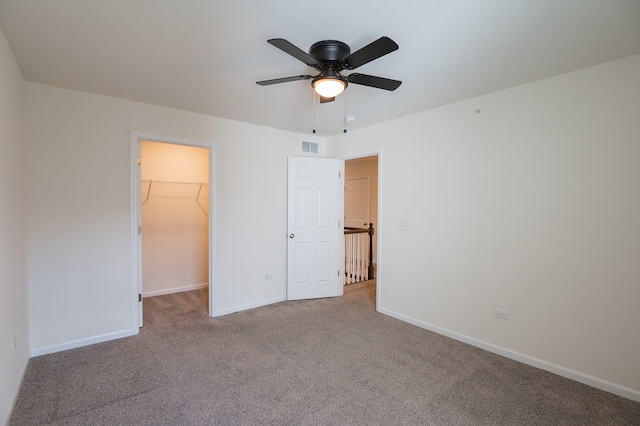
<point x="205" y="55"/>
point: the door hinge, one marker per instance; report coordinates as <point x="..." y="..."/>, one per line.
<point x="339" y="174"/>
<point x="139" y="229"/>
<point x="139" y="297"/>
<point x="338" y="272"/>
<point x="338" y="224"/>
<point x="139" y="161"/>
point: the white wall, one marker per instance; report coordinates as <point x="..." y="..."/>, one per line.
<point x="13" y="232"/>
<point x="78" y="206"/>
<point x="175" y="237"/>
<point x="532" y="206"/>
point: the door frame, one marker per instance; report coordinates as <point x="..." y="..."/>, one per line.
<point x="371" y="153"/>
<point x="136" y="218"/>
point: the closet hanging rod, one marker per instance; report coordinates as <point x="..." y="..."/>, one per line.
<point x="152" y="181"/>
<point x="172" y="182"/>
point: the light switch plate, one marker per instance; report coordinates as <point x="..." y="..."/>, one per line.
<point x="404" y="224"/>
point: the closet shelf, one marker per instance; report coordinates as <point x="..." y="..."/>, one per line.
<point x="173" y="189"/>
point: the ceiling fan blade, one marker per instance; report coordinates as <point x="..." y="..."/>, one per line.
<point x="373" y="81"/>
<point x="372" y="51"/>
<point x="324" y="100"/>
<point x="294" y="51"/>
<point x="283" y="80"/>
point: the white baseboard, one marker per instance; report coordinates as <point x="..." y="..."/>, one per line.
<point x="81" y="342"/>
<point x="174" y="290"/>
<point x="234" y="309"/>
<point x="586" y="379"/>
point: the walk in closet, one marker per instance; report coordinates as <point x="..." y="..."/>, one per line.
<point x="175" y="223"/>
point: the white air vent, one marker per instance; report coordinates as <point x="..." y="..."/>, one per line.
<point x="310" y="147"/>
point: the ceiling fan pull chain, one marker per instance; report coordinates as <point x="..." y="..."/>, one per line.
<point x="314" y="111"/>
<point x="345" y="113"/>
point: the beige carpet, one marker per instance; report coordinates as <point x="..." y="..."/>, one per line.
<point x="316" y="362"/>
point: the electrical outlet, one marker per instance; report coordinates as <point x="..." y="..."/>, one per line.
<point x="268" y="277"/>
<point x="500" y="314"/>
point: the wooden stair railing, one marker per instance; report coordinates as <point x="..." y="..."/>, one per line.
<point x="358" y="254"/>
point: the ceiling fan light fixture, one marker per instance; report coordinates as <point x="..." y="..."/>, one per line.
<point x="329" y="87"/>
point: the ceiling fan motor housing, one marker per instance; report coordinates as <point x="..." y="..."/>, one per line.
<point x="330" y="53"/>
<point x="329" y="50"/>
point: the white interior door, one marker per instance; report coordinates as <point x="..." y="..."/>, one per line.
<point x="356" y="203"/>
<point x="315" y="231"/>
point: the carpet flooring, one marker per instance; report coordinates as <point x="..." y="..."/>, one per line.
<point x="313" y="362"/>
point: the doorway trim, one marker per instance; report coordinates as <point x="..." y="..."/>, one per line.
<point x="136" y="218"/>
<point x="371" y="153"/>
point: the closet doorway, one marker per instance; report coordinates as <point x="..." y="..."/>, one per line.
<point x="174" y="217"/>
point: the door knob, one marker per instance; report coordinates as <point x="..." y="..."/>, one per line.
<point x="291" y="235"/>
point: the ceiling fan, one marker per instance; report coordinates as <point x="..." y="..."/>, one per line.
<point x="330" y="58"/>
